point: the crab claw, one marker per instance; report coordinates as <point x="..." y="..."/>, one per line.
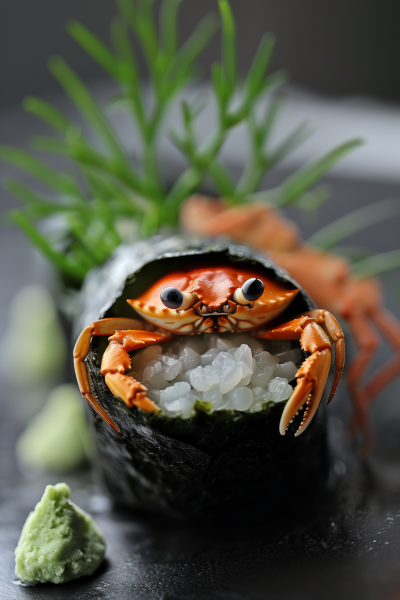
<point x="313" y="373"/>
<point x="311" y="380"/>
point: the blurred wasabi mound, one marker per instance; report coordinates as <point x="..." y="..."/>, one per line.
<point x="57" y="440"/>
<point x="33" y="318"/>
<point x="59" y="541"/>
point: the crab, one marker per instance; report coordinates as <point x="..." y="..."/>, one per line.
<point x="210" y="299"/>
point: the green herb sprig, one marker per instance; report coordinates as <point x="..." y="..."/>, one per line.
<point x="363" y="262"/>
<point x="107" y="186"/>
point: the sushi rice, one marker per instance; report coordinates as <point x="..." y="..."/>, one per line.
<point x="232" y="372"/>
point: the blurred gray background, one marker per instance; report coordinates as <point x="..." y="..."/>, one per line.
<point x="332" y="47"/>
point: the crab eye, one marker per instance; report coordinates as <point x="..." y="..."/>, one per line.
<point x="250" y="291"/>
<point x="173" y="298"/>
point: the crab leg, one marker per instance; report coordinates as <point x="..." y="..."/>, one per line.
<point x="367" y="341"/>
<point x="389" y="326"/>
<point x="114" y="362"/>
<point x="313" y="373"/>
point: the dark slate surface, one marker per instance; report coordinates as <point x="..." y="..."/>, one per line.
<point x="348" y="547"/>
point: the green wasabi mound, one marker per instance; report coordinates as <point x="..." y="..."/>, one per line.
<point x="57" y="440"/>
<point x="59" y="541"/>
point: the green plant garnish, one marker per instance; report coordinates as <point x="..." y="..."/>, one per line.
<point x="330" y="235"/>
<point x="377" y="264"/>
<point x="107" y="187"/>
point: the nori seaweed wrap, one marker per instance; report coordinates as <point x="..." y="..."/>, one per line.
<point x="212" y="466"/>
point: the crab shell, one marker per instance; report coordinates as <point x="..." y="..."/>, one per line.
<point x="212" y="290"/>
<point x="133" y="269"/>
<point x="212" y="466"/>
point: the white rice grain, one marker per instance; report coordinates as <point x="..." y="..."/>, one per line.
<point x="231" y="373"/>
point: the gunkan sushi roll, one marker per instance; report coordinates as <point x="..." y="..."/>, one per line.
<point x="198" y="370"/>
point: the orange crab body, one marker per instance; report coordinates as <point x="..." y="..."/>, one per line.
<point x="209" y="299"/>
